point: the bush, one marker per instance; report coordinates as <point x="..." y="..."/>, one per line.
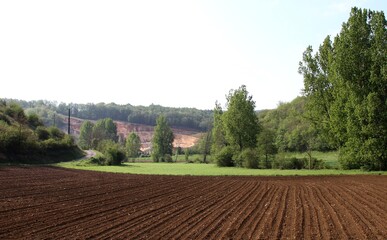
<point x="97" y="160"/>
<point x="167" y="158"/>
<point x="281" y="162"/>
<point x="224" y="158"/>
<point x="56" y="133"/>
<point x="248" y="158"/>
<point x="113" y="152"/>
<point x="42" y="133"/>
<point x="314" y="163"/>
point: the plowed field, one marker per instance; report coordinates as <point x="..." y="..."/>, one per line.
<point x="47" y="202"/>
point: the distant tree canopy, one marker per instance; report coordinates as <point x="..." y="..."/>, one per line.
<point x="291" y="128"/>
<point x="345" y="83"/>
<point x="162" y="142"/>
<point x="177" y="117"/>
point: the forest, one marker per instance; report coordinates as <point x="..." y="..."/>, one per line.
<point x="190" y="118"/>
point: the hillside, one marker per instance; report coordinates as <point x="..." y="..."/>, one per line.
<point x="184" y="138"/>
<point x="185" y="118"/>
<point x="24" y="138"/>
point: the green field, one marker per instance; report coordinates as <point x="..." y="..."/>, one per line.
<point x="196" y="169"/>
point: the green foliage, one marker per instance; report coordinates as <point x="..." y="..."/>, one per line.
<point x="346" y="86"/>
<point x="168" y="158"/>
<point x="104" y="129"/>
<point x="23" y="139"/>
<point x="42" y="133"/>
<point x="34" y="121"/>
<point x="204" y="145"/>
<point x="186" y="154"/>
<point x="113" y="153"/>
<point x="16" y="112"/>
<point x="266" y="147"/>
<point x="86" y="135"/>
<point x="218" y="133"/>
<point x="162" y="142"/>
<point x="280" y="162"/>
<point x="133" y="145"/>
<point x="56" y="133"/>
<point x="177" y="117"/>
<point x="240" y="121"/>
<point x="283" y="162"/>
<point x="291" y="128"/>
<point x="248" y="158"/>
<point x="224" y="158"/>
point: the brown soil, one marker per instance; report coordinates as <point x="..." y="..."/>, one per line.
<point x="47" y="202"/>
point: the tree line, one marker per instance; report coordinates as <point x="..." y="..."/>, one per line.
<point x="343" y="107"/>
<point x="191" y="118"/>
<point x="345" y="83"/>
<point x="102" y="136"/>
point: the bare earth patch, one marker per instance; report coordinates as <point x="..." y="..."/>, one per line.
<point x="49" y="202"/>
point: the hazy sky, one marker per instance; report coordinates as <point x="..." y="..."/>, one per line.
<point x="173" y="53"/>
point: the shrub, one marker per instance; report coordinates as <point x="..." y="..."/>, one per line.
<point x="97" y="160"/>
<point x="314" y="163"/>
<point x="112" y="151"/>
<point x="224" y="158"/>
<point x="281" y="162"/>
<point x="56" y="133"/>
<point x="248" y="158"/>
<point x="42" y="133"/>
<point x="167" y="158"/>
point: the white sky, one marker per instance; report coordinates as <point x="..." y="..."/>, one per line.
<point x="173" y="53"/>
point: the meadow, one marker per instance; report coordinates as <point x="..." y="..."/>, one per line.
<point x="201" y="169"/>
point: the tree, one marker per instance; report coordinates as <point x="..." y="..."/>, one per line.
<point x="346" y="86"/>
<point x="162" y="142"/>
<point x="240" y="120"/>
<point x="205" y="145"/>
<point x="218" y="134"/>
<point x="266" y="145"/>
<point x="104" y="129"/>
<point x="34" y="121"/>
<point x="86" y="135"/>
<point x="133" y="145"/>
<point x="317" y="87"/>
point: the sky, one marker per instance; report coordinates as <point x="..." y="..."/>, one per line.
<point x="175" y="53"/>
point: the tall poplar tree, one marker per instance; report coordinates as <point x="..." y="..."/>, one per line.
<point x="347" y="89"/>
<point x="162" y="142"/>
<point x="218" y="134"/>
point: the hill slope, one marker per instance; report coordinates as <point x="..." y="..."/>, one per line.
<point x="184" y="138"/>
